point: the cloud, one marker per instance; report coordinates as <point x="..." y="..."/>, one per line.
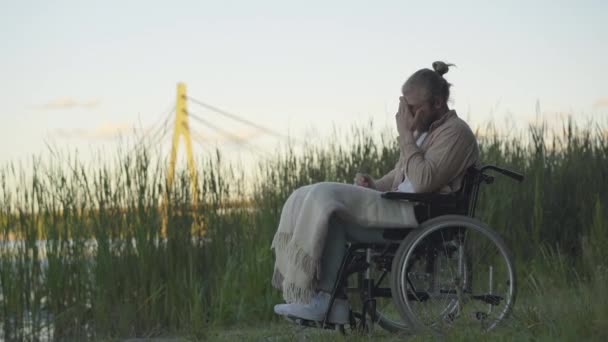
<point x="68" y="103"/>
<point x="114" y="130"/>
<point x="109" y="129"/>
<point x="602" y="102"/>
<point x="105" y="131"/>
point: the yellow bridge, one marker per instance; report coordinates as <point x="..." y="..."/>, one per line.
<point x="181" y="128"/>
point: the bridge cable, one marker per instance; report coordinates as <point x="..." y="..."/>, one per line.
<point x="238" y="118"/>
<point x="153" y="136"/>
<point x="236" y="139"/>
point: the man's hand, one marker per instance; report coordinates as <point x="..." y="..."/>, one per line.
<point x="364" y="180"/>
<point x="406" y="121"/>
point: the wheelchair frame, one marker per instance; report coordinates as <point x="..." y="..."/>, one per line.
<point x="358" y="258"/>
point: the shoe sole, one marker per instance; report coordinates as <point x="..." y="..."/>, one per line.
<point x="313" y="324"/>
<point x="337" y="308"/>
<point x="300" y="320"/>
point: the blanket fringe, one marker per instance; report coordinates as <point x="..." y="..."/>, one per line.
<point x="280" y="240"/>
<point x="297" y="256"/>
<point x="296" y="294"/>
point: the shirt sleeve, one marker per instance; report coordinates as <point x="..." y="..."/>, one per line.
<point x="386" y="182"/>
<point x="445" y="159"/>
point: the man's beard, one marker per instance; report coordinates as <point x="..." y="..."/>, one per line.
<point x="426" y="121"/>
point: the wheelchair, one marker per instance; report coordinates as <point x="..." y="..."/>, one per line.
<point x="452" y="270"/>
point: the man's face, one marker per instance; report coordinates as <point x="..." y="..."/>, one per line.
<point x="421" y="108"/>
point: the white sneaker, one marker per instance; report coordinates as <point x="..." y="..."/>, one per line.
<point x="315" y="310"/>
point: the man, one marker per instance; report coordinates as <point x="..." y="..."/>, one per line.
<point x="437" y="148"/>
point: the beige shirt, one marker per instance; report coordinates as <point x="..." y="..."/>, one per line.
<point x="439" y="164"/>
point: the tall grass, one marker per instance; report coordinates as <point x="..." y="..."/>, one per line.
<point x="82" y="255"/>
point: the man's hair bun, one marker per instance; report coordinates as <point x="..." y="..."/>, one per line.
<point x="441" y="68"/>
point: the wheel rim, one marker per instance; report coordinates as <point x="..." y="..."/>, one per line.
<point x="475" y="283"/>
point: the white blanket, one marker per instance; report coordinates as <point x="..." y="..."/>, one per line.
<point x="300" y="238"/>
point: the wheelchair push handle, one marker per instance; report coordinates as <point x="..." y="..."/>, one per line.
<point x="517" y="176"/>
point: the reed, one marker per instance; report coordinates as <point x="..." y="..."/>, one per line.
<point x="83" y="256"/>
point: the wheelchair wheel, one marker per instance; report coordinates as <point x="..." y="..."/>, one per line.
<point x="455" y="271"/>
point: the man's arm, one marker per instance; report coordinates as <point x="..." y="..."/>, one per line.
<point x="449" y="156"/>
<point x="386" y="182"/>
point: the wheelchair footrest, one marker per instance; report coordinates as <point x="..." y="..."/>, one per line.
<point x="488" y="298"/>
<point x="311" y="324"/>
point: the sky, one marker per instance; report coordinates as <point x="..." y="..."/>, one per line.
<point x="83" y="74"/>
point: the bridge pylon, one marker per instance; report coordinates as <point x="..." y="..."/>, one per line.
<point x="182" y="129"/>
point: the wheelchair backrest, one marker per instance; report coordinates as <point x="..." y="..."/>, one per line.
<point x="474" y="177"/>
<point x="463" y="201"/>
<point x="472" y="180"/>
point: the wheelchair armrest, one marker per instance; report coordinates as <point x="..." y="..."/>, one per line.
<point x="409" y="196"/>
